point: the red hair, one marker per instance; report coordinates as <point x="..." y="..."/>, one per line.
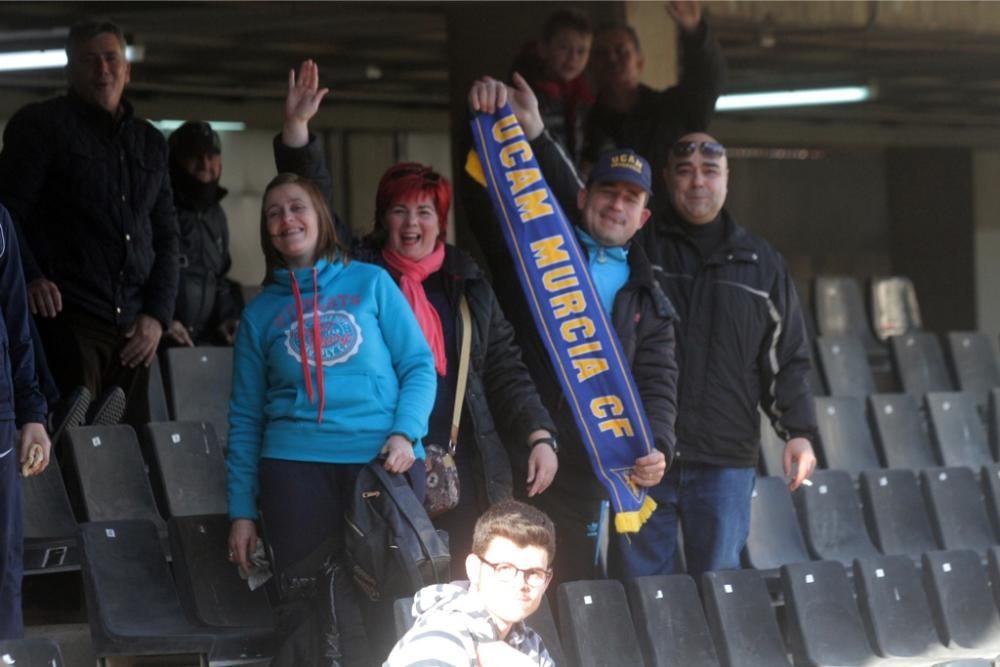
<point x="408" y="180"/>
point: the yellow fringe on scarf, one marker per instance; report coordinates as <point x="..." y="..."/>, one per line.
<point x="630" y="522"/>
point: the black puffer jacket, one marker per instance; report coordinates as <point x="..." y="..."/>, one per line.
<point x="91" y="200"/>
<point x="203" y="297"/>
<point x="501" y="406"/>
<point x="642" y="315"/>
<point x="742" y="342"/>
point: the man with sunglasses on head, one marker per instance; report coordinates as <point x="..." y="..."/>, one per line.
<point x="481" y="621"/>
<point x="742" y="344"/>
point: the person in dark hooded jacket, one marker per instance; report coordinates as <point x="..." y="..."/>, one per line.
<point x="206" y="312"/>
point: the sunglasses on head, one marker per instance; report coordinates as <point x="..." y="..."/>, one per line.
<point x="428" y="174"/>
<point x="711" y="149"/>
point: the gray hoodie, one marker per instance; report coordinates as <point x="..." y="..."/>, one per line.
<point x="450" y="622"/>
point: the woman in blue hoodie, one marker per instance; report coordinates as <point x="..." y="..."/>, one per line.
<point x="299" y="431"/>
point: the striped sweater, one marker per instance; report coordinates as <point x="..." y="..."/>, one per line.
<point x="450" y="623"/>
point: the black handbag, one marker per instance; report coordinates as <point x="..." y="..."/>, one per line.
<point x="392" y="548"/>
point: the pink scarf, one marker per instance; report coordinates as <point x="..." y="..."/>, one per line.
<point x="411" y="275"/>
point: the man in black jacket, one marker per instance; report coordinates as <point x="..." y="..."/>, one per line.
<point x="606" y="214"/>
<point x="206" y="312"/>
<point x="741" y="344"/>
<point x="86" y="184"/>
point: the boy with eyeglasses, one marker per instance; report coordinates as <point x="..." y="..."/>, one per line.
<point x="481" y="621"/>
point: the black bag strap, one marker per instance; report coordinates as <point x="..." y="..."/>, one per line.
<point x="411" y="509"/>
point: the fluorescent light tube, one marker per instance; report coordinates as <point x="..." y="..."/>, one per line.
<point x="50" y="58"/>
<point x="170" y="124"/>
<point x="794" y="98"/>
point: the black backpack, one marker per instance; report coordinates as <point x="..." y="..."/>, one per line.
<point x="393" y="549"/>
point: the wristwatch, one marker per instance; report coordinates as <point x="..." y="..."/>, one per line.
<point x="548" y="440"/>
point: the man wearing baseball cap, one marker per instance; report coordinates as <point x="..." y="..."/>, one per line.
<point x="606" y="213"/>
<point x="206" y="312"/>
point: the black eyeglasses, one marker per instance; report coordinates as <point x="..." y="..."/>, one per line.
<point x="711" y="149"/>
<point x="507" y="572"/>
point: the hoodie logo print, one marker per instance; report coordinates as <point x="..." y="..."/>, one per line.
<point x="340" y="334"/>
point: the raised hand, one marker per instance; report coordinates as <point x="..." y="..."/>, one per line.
<point x="301" y="103"/>
<point x="487" y="95"/>
<point x="686" y="13"/>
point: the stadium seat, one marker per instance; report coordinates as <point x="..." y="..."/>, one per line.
<point x="919" y="363"/>
<point x="30" y="653"/>
<point x="212" y="592"/>
<point x="897" y="613"/>
<point x="900" y="431"/>
<point x="821" y="617"/>
<point x="957" y="430"/>
<point x="895" y="513"/>
<point x="830" y="513"/>
<point x="544" y="624"/>
<point x="958" y="588"/>
<point x="159" y="411"/>
<point x="993" y="422"/>
<point x="199" y="380"/>
<point x="670" y="622"/>
<point x="956" y="507"/>
<point x="844" y="364"/>
<point x="189" y="468"/>
<point x="973" y="358"/>
<point x="772" y="448"/>
<point x="51" y="534"/>
<point x="112" y="475"/>
<point x="740" y="616"/>
<point x="993" y="561"/>
<point x="845" y="439"/>
<point x="989" y="477"/>
<point x="840" y="309"/>
<point x="132" y="604"/>
<point x="595" y="624"/>
<point x="894" y="306"/>
<point x="775" y="537"/>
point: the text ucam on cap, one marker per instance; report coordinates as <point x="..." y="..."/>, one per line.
<point x="622" y="165"/>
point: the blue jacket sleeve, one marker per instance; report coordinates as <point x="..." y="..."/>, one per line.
<point x="246" y="421"/>
<point x="411" y="359"/>
<point x="29" y="403"/>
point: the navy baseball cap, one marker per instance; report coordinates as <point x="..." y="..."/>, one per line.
<point x="622" y="165"/>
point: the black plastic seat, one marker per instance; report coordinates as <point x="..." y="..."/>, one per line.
<point x="822" y="620"/>
<point x="919" y="363"/>
<point x="51" y="534"/>
<point x="957" y="430"/>
<point x="993" y="562"/>
<point x="894" y="306"/>
<point x="159" y="410"/>
<point x="993" y="422"/>
<point x="30" y="653"/>
<point x="670" y="621"/>
<point x="901" y="433"/>
<point x="895" y="513"/>
<point x="844" y="364"/>
<point x="772" y="448"/>
<point x="896" y="612"/>
<point x="132" y="605"/>
<point x="595" y="624"/>
<point x="958" y="588"/>
<point x="775" y="537"/>
<point x="956" y="508"/>
<point x="840" y="309"/>
<point x="740" y="616"/>
<point x="212" y="592"/>
<point x="989" y="478"/>
<point x="199" y="380"/>
<point x="844" y="435"/>
<point x="831" y="517"/>
<point x="112" y="475"/>
<point x="973" y="356"/>
<point x="190" y="469"/>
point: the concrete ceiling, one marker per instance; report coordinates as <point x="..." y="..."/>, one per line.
<point x="933" y="63"/>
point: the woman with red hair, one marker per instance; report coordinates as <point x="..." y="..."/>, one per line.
<point x="503" y="423"/>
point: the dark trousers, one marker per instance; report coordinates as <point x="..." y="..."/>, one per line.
<point x="303" y="506"/>
<point x="576" y="520"/>
<point x="710" y="503"/>
<point x="82" y="349"/>
<point x="11" y="536"/>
